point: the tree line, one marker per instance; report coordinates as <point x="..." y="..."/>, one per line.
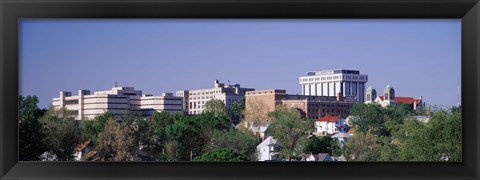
<point x="53" y="135"/>
<point x="382" y="134"/>
<point x="394" y="134"/>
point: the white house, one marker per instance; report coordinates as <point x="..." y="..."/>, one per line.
<point x="260" y="130"/>
<point x="342" y="137"/>
<point x="267" y="149"/>
<point x="330" y="125"/>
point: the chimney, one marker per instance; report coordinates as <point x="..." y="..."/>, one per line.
<point x="415" y="103"/>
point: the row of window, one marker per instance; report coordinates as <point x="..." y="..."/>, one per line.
<point x="331" y="105"/>
<point x="204" y="93"/>
<point x="334" y="78"/>
<point x="328" y="111"/>
<point x="203" y="97"/>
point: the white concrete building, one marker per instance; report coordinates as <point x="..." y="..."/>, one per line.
<point x="195" y="99"/>
<point x="267" y="149"/>
<point x="333" y="82"/>
<point x="118" y="101"/>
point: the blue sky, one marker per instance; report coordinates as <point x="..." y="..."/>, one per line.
<point x="417" y="57"/>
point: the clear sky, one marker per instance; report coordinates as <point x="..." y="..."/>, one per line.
<point x="417" y="57"/>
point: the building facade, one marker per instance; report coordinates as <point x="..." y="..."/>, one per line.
<point x="334" y="82"/>
<point x="389" y="98"/>
<point x="313" y="107"/>
<point x="118" y="101"/>
<point x="330" y="125"/>
<point x="195" y="99"/>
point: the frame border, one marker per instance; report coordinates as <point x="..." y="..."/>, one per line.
<point x="11" y="11"/>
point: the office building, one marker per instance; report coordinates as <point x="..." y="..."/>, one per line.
<point x="195" y="99"/>
<point x="333" y="82"/>
<point x="118" y="101"/>
<point x="312" y="107"/>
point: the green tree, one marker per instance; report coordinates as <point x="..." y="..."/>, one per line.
<point x="288" y="127"/>
<point x="244" y="143"/>
<point x="362" y="147"/>
<point x="367" y="117"/>
<point x="62" y="134"/>
<point x="30" y="133"/>
<point x="236" y="110"/>
<point x="192" y="134"/>
<point x="91" y="128"/>
<point x="186" y="137"/>
<point x="215" y="106"/>
<point x="162" y="119"/>
<point x="446" y="133"/>
<point x="439" y="139"/>
<point x="320" y="145"/>
<point x="221" y="154"/>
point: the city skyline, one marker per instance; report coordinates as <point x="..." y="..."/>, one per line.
<point x="159" y="56"/>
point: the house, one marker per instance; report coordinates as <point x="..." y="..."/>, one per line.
<point x="423" y="119"/>
<point x="330" y="125"/>
<point x="260" y="130"/>
<point x="318" y="157"/>
<point x="82" y="149"/>
<point x="267" y="149"/>
<point x="339" y="158"/>
<point x="342" y="137"/>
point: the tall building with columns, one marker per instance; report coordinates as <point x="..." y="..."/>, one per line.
<point x="335" y="82"/>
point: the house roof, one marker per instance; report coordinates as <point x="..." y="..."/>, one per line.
<point x="320" y="156"/>
<point x="328" y="118"/>
<point x="81" y="146"/>
<point x="259" y="128"/>
<point x="267" y="142"/>
<point x="341" y="135"/>
<point x="405" y="100"/>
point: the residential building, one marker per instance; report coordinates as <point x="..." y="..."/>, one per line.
<point x="267" y="149"/>
<point x="317" y="157"/>
<point x="259" y="130"/>
<point x="389" y="98"/>
<point x="82" y="149"/>
<point x="312" y="107"/>
<point x="333" y="82"/>
<point x="330" y="125"/>
<point x="195" y="99"/>
<point x="342" y="137"/>
<point x="118" y="101"/>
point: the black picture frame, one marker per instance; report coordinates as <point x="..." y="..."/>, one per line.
<point x="11" y="11"/>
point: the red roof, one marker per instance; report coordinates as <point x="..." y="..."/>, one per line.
<point x="405" y="100"/>
<point x="328" y="118"/>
